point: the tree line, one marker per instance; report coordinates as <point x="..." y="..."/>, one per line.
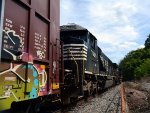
<point x="136" y="64"/>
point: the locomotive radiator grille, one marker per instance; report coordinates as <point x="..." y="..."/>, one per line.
<point x="75" y="52"/>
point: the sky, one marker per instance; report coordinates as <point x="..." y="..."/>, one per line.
<point x="120" y="26"/>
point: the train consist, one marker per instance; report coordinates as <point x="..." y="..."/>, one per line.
<point x="37" y="67"/>
<point x="87" y="69"/>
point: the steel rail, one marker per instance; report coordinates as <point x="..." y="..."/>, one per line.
<point x="123" y="100"/>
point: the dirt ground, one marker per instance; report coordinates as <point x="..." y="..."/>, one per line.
<point x="138" y="95"/>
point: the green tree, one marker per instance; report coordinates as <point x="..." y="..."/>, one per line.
<point x="136" y="64"/>
<point x="143" y="69"/>
<point x="147" y="42"/>
<point x="130" y="62"/>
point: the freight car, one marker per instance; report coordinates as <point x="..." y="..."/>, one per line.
<point x="87" y="69"/>
<point x="30" y="62"/>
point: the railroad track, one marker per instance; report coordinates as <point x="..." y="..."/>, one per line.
<point x="110" y="101"/>
<point x="107" y="102"/>
<point x="114" y="105"/>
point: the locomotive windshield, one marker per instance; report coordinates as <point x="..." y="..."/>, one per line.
<point x="73" y="34"/>
<point x="82" y="37"/>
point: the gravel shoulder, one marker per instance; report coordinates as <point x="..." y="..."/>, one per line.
<point x="138" y="96"/>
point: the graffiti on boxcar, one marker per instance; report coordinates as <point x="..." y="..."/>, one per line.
<point x="40" y="54"/>
<point x="12" y="45"/>
<point x="12" y="42"/>
<point x="14" y="76"/>
<point x="42" y="81"/>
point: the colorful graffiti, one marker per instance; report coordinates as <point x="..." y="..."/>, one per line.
<point x="21" y="82"/>
<point x="12" y="45"/>
<point x="21" y="77"/>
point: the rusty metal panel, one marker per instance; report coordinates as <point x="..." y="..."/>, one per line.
<point x="40" y="38"/>
<point x="42" y="6"/>
<point x="15" y="30"/>
<point x="54" y="17"/>
<point x="54" y="34"/>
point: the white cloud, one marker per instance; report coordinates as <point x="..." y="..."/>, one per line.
<point x="127" y="31"/>
<point x="119" y="25"/>
<point x="67" y="8"/>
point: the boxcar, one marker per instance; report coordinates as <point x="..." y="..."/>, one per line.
<point x="29" y="53"/>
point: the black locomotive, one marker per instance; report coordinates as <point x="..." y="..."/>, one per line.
<point x="87" y="69"/>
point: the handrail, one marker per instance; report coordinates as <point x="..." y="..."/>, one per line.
<point x="83" y="76"/>
<point x="76" y="65"/>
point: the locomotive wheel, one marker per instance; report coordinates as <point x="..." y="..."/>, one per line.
<point x="99" y="87"/>
<point x="94" y="92"/>
<point x="86" y="95"/>
<point x="73" y="100"/>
